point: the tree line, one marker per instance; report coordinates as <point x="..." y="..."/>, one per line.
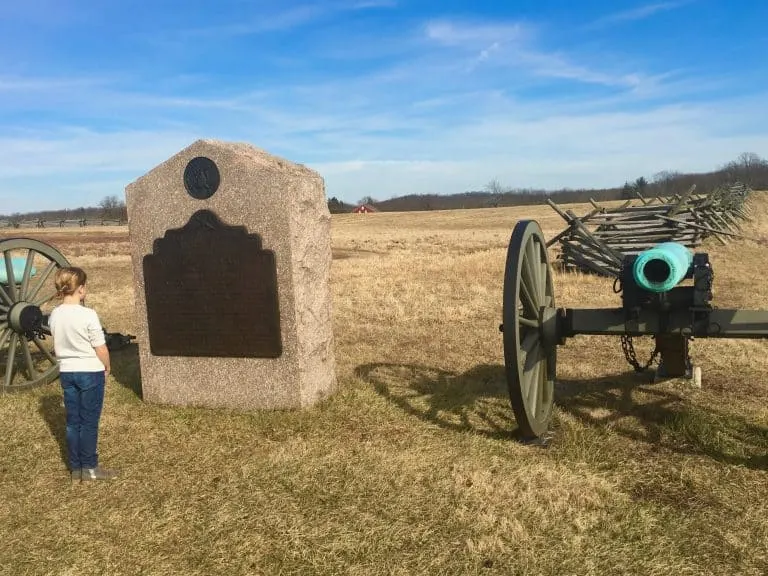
<point x="749" y="169"/>
<point x="109" y="208"/>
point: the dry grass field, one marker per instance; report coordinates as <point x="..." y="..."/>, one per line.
<point x="411" y="467"/>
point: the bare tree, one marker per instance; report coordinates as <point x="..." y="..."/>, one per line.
<point x="665" y="182"/>
<point x="112" y="208"/>
<point x="746" y="168"/>
<point x="494" y="187"/>
<point x="367" y="200"/>
<point x="496" y="190"/>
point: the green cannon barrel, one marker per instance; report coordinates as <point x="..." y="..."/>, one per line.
<point x="661" y="268"/>
<point x="17" y="268"/>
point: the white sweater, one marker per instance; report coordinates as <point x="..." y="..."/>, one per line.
<point x="76" y="331"/>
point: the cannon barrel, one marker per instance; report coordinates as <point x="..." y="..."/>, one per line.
<point x="17" y="268"/>
<point x="661" y="268"/>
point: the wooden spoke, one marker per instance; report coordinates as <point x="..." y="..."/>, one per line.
<point x="11" y="361"/>
<point x="10" y="278"/>
<point x="528" y="301"/>
<point x="542" y="399"/>
<point x="44" y="350"/>
<point x="5" y="298"/>
<point x="529" y="341"/>
<point x="43" y="277"/>
<point x="532" y="262"/>
<point x="45" y="299"/>
<point x="31" y="371"/>
<point x="531" y="281"/>
<point x="27" y="274"/>
<point x="533" y="390"/>
<point x="545" y="280"/>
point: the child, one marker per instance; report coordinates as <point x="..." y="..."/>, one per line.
<point x="78" y="341"/>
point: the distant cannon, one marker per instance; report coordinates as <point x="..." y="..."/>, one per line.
<point x="27" y="294"/>
<point x="654" y="303"/>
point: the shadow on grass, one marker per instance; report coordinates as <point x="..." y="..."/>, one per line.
<point x="626" y="404"/>
<point x="475" y="401"/>
<point x="51" y="408"/>
<point x="125" y="368"/>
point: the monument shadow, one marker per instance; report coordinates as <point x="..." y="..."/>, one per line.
<point x="125" y="368"/>
<point x="626" y="403"/>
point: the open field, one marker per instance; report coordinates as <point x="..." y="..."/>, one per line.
<point x="410" y="468"/>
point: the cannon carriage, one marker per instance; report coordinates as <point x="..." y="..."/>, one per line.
<point x="27" y="296"/>
<point x="654" y="302"/>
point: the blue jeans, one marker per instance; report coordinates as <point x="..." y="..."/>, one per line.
<point x="83" y="401"/>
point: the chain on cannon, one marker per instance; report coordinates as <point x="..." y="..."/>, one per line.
<point x="655" y="302"/>
<point x="27" y="296"/>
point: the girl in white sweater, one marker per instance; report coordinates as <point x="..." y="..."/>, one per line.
<point x="84" y="364"/>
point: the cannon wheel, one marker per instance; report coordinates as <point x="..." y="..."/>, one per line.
<point x="26" y="355"/>
<point x="530" y="352"/>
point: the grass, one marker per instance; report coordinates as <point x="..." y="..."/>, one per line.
<point x="411" y="467"/>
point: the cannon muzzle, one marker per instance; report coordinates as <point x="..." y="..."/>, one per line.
<point x="661" y="268"/>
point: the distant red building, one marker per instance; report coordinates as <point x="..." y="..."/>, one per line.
<point x="364" y="209"/>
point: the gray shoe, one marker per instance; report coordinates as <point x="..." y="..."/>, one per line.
<point x="97" y="473"/>
<point x="76" y="475"/>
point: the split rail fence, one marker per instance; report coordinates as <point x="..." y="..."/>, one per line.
<point x="61" y="223"/>
<point x="598" y="241"/>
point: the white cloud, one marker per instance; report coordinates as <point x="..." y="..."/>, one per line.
<point x="516" y="46"/>
<point x="16" y="84"/>
<point x="33" y="154"/>
<point x="473" y="35"/>
<point x="285" y="19"/>
<point x="638" y="13"/>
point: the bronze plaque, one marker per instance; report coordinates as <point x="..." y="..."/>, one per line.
<point x="201" y="178"/>
<point x="211" y="290"/>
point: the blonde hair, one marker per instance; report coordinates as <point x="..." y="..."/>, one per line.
<point x="69" y="279"/>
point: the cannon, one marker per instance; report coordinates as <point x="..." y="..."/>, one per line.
<point x="27" y="295"/>
<point x="654" y="302"/>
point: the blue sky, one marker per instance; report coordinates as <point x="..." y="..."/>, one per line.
<point x="382" y="97"/>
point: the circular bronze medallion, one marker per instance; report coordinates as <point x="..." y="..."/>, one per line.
<point x="201" y="178"/>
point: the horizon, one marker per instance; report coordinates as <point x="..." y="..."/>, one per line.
<point x="382" y="98"/>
